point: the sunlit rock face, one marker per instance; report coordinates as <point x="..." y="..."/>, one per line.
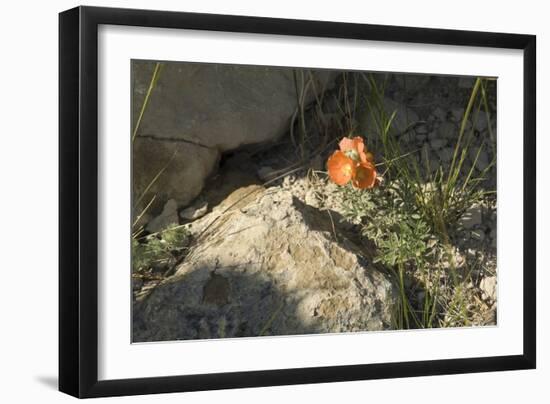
<point x="266" y="265"/>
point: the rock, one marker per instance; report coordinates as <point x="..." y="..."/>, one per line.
<point x="206" y="104"/>
<point x="434" y="164"/>
<point x="420" y="296"/>
<point x="288" y="181"/>
<point x="446" y="154"/>
<point x="203" y="110"/>
<point x="471" y="218"/>
<point x="195" y="212"/>
<point x="478" y="235"/>
<point x="421" y="129"/>
<point x="412" y="82"/>
<point x="457" y="114"/>
<point x="466" y="82"/>
<point x="317" y="163"/>
<point x="183" y="169"/>
<point x="488" y="288"/>
<point x="408" y="137"/>
<point x="266" y="173"/>
<point x="480" y="121"/>
<point x="311" y="198"/>
<point x="439" y="114"/>
<point x="482" y="161"/>
<point x="168" y="217"/>
<point x="448" y="130"/>
<point x="438" y="143"/>
<point x="403" y="120"/>
<point x="493" y="238"/>
<point x="271" y="266"/>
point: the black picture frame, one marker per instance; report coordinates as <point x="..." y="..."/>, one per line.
<point x="78" y="201"/>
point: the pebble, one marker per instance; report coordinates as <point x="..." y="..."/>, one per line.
<point x="440" y="114"/>
<point x="482" y="161"/>
<point x="488" y="288"/>
<point x="457" y="114"/>
<point x="446" y="154"/>
<point x="288" y="181"/>
<point x="493" y="238"/>
<point x="410" y="82"/>
<point x="194" y="212"/>
<point x="434" y="164"/>
<point x="421" y="129"/>
<point x="438" y="143"/>
<point x="471" y="252"/>
<point x="471" y="218"/>
<point x="480" y="121"/>
<point x="466" y="82"/>
<point x="448" y="130"/>
<point x="420" y="138"/>
<point x="478" y="235"/>
<point x="408" y="137"/>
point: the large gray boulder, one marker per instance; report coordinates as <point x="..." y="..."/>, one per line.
<point x="166" y="169"/>
<point x="220" y="106"/>
<point x="266" y="264"/>
<point x="205" y="110"/>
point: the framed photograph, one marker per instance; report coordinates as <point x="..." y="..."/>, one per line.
<point x="251" y="201"/>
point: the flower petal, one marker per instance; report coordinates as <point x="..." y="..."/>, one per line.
<point x="341" y="169"/>
<point x="354" y="148"/>
<point x="365" y="175"/>
<point x="346" y="144"/>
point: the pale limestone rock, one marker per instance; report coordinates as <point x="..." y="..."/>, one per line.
<point x="267" y="264"/>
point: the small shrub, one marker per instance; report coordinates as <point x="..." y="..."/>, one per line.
<point x="159" y="250"/>
<point x="400" y="235"/>
<point x="412" y="216"/>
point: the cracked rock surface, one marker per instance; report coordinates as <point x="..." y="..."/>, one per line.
<point x="203" y="110"/>
<point x="183" y="167"/>
<point x="269" y="265"/>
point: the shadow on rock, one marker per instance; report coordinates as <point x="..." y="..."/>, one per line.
<point x="337" y="227"/>
<point x="217" y="302"/>
<point x="273" y="266"/>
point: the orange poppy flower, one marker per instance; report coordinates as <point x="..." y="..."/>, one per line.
<point x="365" y="175"/>
<point x="354" y="148"/>
<point x="353" y="163"/>
<point x="341" y="168"/>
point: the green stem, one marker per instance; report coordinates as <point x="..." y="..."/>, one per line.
<point x="403" y="296"/>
